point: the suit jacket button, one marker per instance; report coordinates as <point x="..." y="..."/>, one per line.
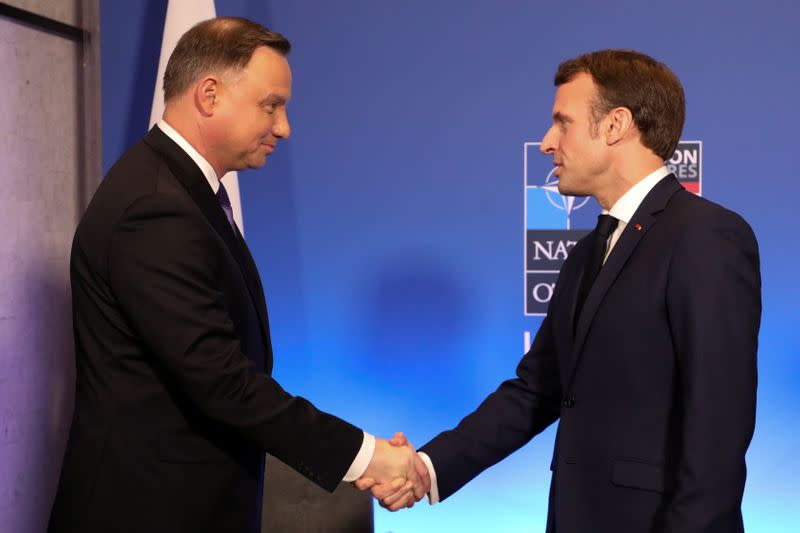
<point x="569" y="402"/>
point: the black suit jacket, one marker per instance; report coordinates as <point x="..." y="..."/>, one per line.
<point x="655" y="390"/>
<point x="174" y="403"/>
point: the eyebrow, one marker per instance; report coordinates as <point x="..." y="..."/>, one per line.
<point x="272" y="99"/>
<point x="558" y="116"/>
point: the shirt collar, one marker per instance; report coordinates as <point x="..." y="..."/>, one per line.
<point x="199" y="160"/>
<point x="626" y="206"/>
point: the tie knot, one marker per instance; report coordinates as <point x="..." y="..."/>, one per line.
<point x="606" y="224"/>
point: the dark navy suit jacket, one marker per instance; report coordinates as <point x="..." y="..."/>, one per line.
<point x="656" y="389"/>
<point x="174" y="402"/>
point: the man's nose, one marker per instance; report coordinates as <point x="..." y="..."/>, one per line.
<point x="281" y="128"/>
<point x="549" y="143"/>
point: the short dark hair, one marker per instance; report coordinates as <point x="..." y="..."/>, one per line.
<point x="631" y="79"/>
<point x="218" y="44"/>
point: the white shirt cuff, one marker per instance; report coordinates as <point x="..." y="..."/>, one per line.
<point x="433" y="495"/>
<point x="362" y="460"/>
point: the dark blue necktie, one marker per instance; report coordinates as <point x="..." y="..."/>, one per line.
<point x="606" y="224"/>
<point x="225" y="203"/>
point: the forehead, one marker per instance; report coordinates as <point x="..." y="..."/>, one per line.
<point x="269" y="70"/>
<point x="575" y="95"/>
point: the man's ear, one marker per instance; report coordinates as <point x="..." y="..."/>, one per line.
<point x="206" y="95"/>
<point x="619" y="124"/>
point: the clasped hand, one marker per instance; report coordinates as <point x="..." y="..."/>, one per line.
<point x="396" y="476"/>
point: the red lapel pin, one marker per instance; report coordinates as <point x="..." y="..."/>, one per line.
<point x="638" y="227"/>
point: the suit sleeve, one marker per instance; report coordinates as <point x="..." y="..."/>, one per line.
<point x="714" y="308"/>
<point x="504" y="422"/>
<point x="163" y="262"/>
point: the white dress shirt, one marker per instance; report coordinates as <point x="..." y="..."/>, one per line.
<point x="364" y="455"/>
<point x="199" y="160"/>
<point x="623" y="210"/>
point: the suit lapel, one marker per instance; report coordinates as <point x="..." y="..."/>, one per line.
<point x="581" y="256"/>
<point x="641" y="222"/>
<point x="196" y="184"/>
<point x="573" y="294"/>
<point x="258" y="295"/>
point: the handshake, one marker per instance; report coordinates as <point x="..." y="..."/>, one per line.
<point x="396" y="475"/>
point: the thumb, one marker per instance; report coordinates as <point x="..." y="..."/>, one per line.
<point x="399" y="439"/>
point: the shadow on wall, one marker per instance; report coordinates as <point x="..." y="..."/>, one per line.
<point x="414" y="312"/>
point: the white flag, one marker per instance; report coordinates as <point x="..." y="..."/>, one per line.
<point x="182" y="15"/>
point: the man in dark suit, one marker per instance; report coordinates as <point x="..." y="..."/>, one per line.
<point x="174" y="403"/>
<point x="647" y="355"/>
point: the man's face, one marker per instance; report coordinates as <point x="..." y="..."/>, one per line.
<point x="578" y="148"/>
<point x="251" y="117"/>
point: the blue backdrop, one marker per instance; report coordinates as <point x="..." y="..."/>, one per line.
<point x="389" y="229"/>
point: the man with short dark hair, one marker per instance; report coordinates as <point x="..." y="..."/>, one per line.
<point x="175" y="405"/>
<point x="647" y="355"/>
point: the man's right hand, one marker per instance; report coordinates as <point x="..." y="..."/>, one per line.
<point x="396" y="474"/>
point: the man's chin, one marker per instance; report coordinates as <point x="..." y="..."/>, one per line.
<point x="566" y="189"/>
<point x="254" y="162"/>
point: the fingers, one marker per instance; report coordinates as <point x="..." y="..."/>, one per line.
<point x="364" y="483"/>
<point x="419" y="489"/>
<point x="396" y="476"/>
<point x="413" y="474"/>
<point x="422" y="479"/>
<point x="406" y="500"/>
<point x="425" y="476"/>
<point x="399" y="499"/>
<point x="386" y="490"/>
